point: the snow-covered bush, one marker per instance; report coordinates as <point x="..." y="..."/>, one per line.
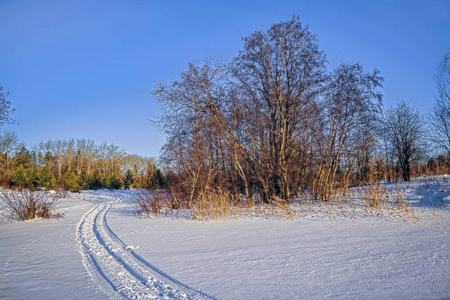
<point x="26" y="205"/>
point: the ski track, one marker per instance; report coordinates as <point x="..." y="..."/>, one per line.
<point x="118" y="270"/>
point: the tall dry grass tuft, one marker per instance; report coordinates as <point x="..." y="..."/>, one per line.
<point x="214" y="205"/>
<point x="381" y="202"/>
<point x="279" y="209"/>
<point x="374" y="195"/>
<point x="26" y="204"/>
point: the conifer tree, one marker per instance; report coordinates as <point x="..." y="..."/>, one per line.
<point x="115" y="183"/>
<point x="34" y="180"/>
<point x="20" y="178"/>
<point x="128" y="180"/>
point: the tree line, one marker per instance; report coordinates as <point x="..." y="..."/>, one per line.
<point x="73" y="164"/>
<point x="275" y="122"/>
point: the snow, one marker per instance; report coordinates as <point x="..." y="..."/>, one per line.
<point x="102" y="250"/>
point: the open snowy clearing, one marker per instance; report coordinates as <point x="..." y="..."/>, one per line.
<point x="101" y="250"/>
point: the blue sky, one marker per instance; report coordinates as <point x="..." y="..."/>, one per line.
<point x="85" y="69"/>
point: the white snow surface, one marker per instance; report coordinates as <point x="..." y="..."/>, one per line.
<point x="102" y="250"/>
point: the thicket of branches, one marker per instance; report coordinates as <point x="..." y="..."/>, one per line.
<point x="275" y="122"/>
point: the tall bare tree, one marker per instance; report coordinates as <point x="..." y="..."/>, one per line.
<point x="349" y="116"/>
<point x="279" y="73"/>
<point x="440" y="116"/>
<point x="404" y="126"/>
<point x="191" y="123"/>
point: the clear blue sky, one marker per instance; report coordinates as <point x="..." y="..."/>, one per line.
<point x="85" y="69"/>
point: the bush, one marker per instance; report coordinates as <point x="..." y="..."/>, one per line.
<point x="151" y="202"/>
<point x="26" y="205"/>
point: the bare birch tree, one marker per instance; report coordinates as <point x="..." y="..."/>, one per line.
<point x="278" y="73"/>
<point x="351" y="108"/>
<point x="440" y="116"/>
<point x="404" y="126"/>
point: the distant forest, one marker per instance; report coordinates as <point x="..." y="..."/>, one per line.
<point x="73" y="165"/>
<point x="272" y="123"/>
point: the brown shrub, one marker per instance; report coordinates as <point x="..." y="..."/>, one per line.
<point x="153" y="201"/>
<point x="26" y="205"/>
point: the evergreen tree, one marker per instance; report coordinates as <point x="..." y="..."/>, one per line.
<point x="84" y="180"/>
<point x="157" y="180"/>
<point x="115" y="183"/>
<point x="24" y="158"/>
<point x="46" y="178"/>
<point x="96" y="182"/>
<point x="48" y="159"/>
<point x="34" y="179"/>
<point x="128" y="180"/>
<point x="70" y="182"/>
<point x="20" y="178"/>
<point x="379" y="170"/>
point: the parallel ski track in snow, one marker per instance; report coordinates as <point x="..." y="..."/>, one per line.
<point x="118" y="270"/>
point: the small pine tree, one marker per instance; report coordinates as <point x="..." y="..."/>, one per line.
<point x="46" y="178"/>
<point x="115" y="183"/>
<point x="84" y="180"/>
<point x="128" y="180"/>
<point x="24" y="158"/>
<point x="70" y="182"/>
<point x="96" y="182"/>
<point x="34" y="179"/>
<point x="20" y="177"/>
<point x="157" y="180"/>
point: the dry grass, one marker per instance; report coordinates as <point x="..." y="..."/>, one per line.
<point x="214" y="205"/>
<point x="374" y="195"/>
<point x="390" y="203"/>
<point x="375" y="200"/>
<point x="217" y="204"/>
<point x="26" y="205"/>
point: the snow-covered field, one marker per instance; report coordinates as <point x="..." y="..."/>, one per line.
<point x="102" y="250"/>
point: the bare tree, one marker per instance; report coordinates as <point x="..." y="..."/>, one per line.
<point x="404" y="127"/>
<point x="192" y="106"/>
<point x="350" y="110"/>
<point x="279" y="73"/>
<point x="5" y="109"/>
<point x="440" y="115"/>
<point x="10" y="145"/>
<point x="86" y="151"/>
<point x="37" y="154"/>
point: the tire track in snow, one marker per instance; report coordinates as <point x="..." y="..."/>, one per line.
<point x="118" y="270"/>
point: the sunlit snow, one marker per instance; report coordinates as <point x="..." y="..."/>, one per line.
<point x="102" y="250"/>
